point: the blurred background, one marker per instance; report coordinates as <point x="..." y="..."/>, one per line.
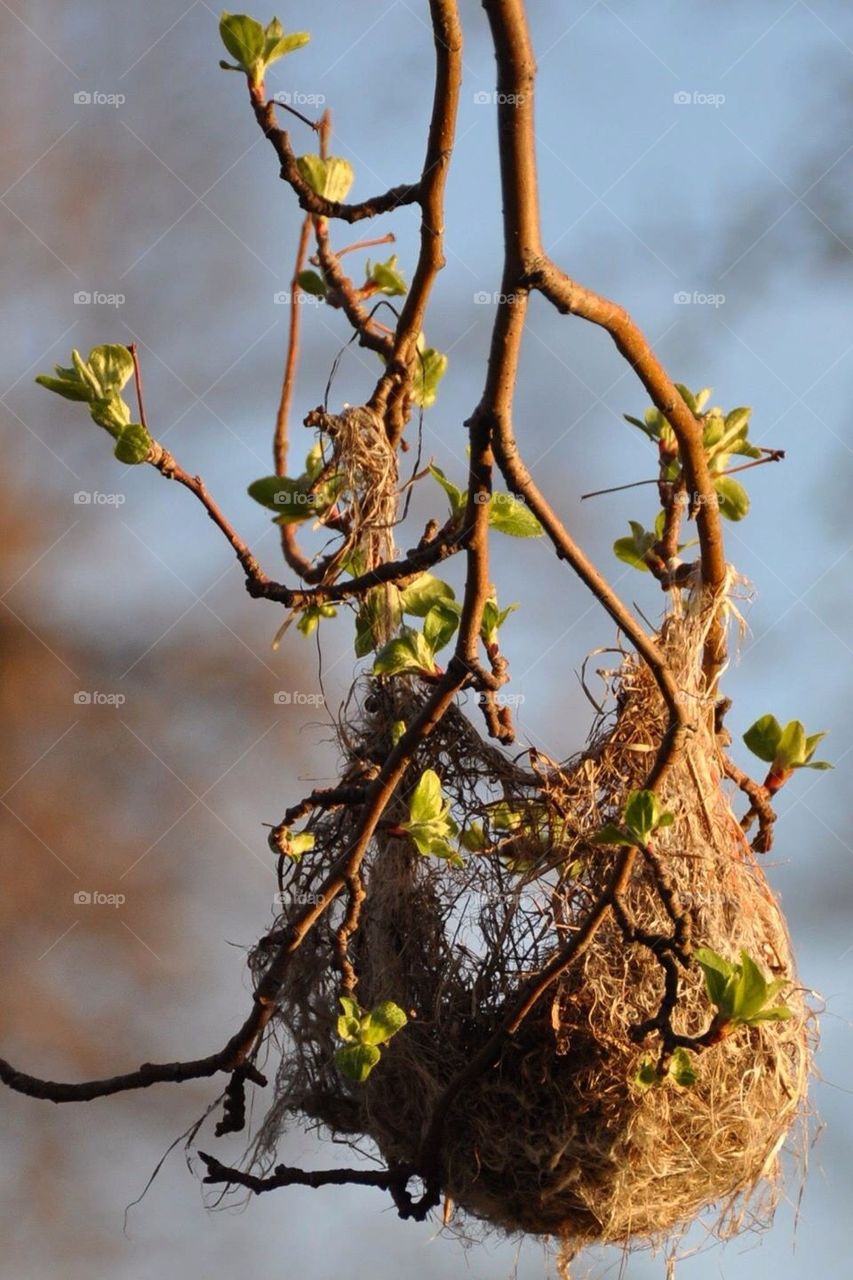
<point x="695" y="165"/>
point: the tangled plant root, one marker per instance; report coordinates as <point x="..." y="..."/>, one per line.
<point x="557" y="1138"/>
<point x="367" y="465"/>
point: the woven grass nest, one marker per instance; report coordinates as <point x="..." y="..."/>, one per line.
<point x="556" y="1138"/>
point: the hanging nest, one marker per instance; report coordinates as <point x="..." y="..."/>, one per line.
<point x="556" y="1138"/>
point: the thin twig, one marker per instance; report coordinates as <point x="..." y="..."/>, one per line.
<point x="282" y="420"/>
<point x="395" y="198"/>
<point x="392" y="391"/>
<point x="773" y="455"/>
<point x="288" y="1176"/>
<point x="389" y="238"/>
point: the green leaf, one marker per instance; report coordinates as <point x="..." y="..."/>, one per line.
<point x="655" y="422"/>
<point x="818" y="764"/>
<point x="423" y="594"/>
<point x="429" y="824"/>
<point x="112" y="365"/>
<point x="774" y="987"/>
<point x="644" y="426"/>
<point x="349" y="1023"/>
<point x="639" y="816"/>
<point x="295" y="845"/>
<point x="277" y="44"/>
<point x="379" y="609"/>
<point x="314" y="464"/>
<point x="406" y="652"/>
<point x="68" y="386"/>
<point x="98" y="382"/>
<point x="732" y="497"/>
<point x="681" y="1069"/>
<point x="611" y="834"/>
<point x="458" y="497"/>
<point x="737" y="420"/>
<point x="687" y="396"/>
<point x="330" y="178"/>
<point x="348" y="1028"/>
<point x="387" y="278"/>
<point x="254" y="47"/>
<point x="86" y="376"/>
<point x="750" y="990"/>
<point x="509" y="514"/>
<point x="365" y="641"/>
<point x="301" y="843"/>
<point x="473" y="838"/>
<point x="633" y="550"/>
<point x="270" y="491"/>
<point x="292" y="500"/>
<point x="382" y="1023"/>
<point x="428" y="370"/>
<point x="713" y="429"/>
<point x="243" y="37"/>
<point x="647" y="1075"/>
<point x="726" y="436"/>
<point x="101" y="377"/>
<point x="356" y="1061"/>
<point x="310" y="617"/>
<point x="133" y="444"/>
<point x="429" y="843"/>
<point x="493" y="619"/>
<point x="644" y="814"/>
<point x="427" y="803"/>
<point x="740" y="992"/>
<point x="312" y="282"/>
<point x="717" y="972"/>
<point x="110" y="413"/>
<point x="791" y="750"/>
<point x="702" y="397"/>
<point x="441" y="624"/>
<point x="351" y="1007"/>
<point x="778" y="1013"/>
<point x="763" y="738"/>
<point x="504" y="818"/>
<point x="398" y="728"/>
<point x="812" y="742"/>
<point x="744" y="449"/>
<point x="625" y="550"/>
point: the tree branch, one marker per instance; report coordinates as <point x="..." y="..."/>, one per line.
<point x="407" y="193"/>
<point x="528" y="267"/>
<point x="287" y="1176"/>
<point x="390" y="396"/>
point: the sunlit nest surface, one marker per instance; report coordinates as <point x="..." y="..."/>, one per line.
<point x="556" y="1138"/>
